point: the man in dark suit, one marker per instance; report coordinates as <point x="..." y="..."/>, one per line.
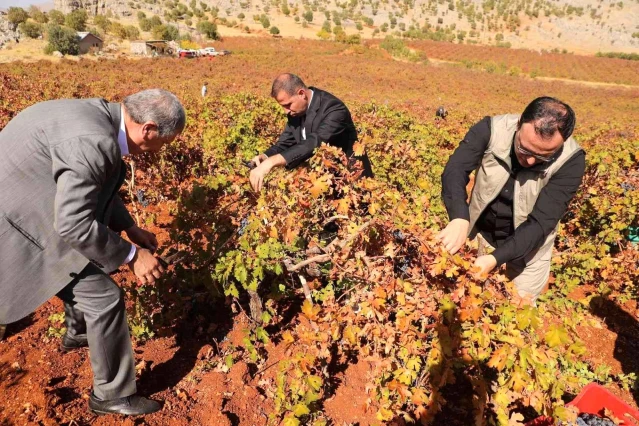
<point x="314" y="116"/>
<point x="60" y="218"/>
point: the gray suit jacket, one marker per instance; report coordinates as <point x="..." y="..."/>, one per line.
<point x="60" y="171"/>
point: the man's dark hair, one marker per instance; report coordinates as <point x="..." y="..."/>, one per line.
<point x="549" y="115"/>
<point x="289" y="83"/>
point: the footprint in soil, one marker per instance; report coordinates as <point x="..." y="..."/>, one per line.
<point x="66" y="394"/>
<point x="234" y="418"/>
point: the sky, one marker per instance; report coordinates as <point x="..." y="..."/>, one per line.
<point x="4" y="4"/>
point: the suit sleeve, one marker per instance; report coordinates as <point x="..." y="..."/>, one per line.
<point x="120" y="217"/>
<point x="80" y="169"/>
<point x="461" y="164"/>
<point x="333" y="124"/>
<point x="285" y="141"/>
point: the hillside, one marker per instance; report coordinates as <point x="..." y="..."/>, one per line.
<point x="585" y="26"/>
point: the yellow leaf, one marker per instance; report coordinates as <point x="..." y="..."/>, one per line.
<point x="290" y="421"/>
<point x="288" y="337"/>
<point x="301" y="410"/>
<point x="273" y="232"/>
<point x="319" y="187"/>
<point x="384" y="415"/>
<point x="419" y="397"/>
<point x="310" y="310"/>
<point x="359" y="149"/>
<point x="315" y="382"/>
<point x="556" y="336"/>
<point x="342" y="206"/>
<point x="499" y="358"/>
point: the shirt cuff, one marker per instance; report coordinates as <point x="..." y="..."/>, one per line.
<point x="131" y="255"/>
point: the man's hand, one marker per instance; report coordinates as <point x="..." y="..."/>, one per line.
<point x="258" y="174"/>
<point x="145" y="266"/>
<point x="454" y="235"/>
<point x="485" y="264"/>
<point x="142" y="238"/>
<point x="257" y="160"/>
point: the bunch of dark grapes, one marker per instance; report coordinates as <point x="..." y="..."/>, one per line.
<point x="586" y="419"/>
<point x="627" y="186"/>
<point x="243" y="225"/>
<point x="141" y="198"/>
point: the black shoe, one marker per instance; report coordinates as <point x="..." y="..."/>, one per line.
<point x="70" y="343"/>
<point x="133" y="405"/>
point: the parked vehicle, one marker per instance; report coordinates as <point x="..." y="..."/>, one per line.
<point x="211" y="51"/>
<point x="187" y="54"/>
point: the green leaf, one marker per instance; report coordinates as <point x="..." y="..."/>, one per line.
<point x="231" y="291"/>
<point x="228" y="360"/>
<point x="261" y="334"/>
<point x="240" y="273"/>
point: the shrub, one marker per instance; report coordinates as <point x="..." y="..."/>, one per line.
<point x="62" y="39"/>
<point x="77" y="20"/>
<point x="209" y="29"/>
<point x="37" y="15"/>
<point x="165" y="32"/>
<point x="16" y="16"/>
<point x="274" y="30"/>
<point x="30" y="29"/>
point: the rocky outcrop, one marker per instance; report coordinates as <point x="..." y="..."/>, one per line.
<point x="94" y="7"/>
<point x="6" y="31"/>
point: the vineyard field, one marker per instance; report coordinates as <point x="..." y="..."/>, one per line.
<point x="399" y="332"/>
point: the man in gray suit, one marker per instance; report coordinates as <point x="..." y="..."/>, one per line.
<point x="60" y="218"/>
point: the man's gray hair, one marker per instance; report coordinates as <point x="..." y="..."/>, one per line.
<point x="159" y="106"/>
<point x="289" y="83"/>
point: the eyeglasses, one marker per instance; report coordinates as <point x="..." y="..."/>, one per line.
<point x="523" y="151"/>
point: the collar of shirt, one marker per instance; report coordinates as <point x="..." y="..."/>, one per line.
<point x="124" y="147"/>
<point x="310" y="101"/>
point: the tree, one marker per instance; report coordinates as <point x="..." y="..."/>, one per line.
<point x="16" y="16"/>
<point x="274" y="30"/>
<point x="209" y="29"/>
<point x="56" y="17"/>
<point x="166" y="32"/>
<point x="266" y="23"/>
<point x="308" y="16"/>
<point x="241" y="16"/>
<point x="132" y="32"/>
<point x="38" y="15"/>
<point x="285" y="10"/>
<point x="77" y="20"/>
<point x="102" y="22"/>
<point x="118" y="30"/>
<point x="30" y="29"/>
<point x="64" y="40"/>
<point x="359" y="26"/>
<point x="155" y="21"/>
<point x="145" y="24"/>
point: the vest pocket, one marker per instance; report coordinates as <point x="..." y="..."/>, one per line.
<point x="24" y="233"/>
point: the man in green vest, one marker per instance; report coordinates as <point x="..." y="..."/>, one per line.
<point x="528" y="168"/>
